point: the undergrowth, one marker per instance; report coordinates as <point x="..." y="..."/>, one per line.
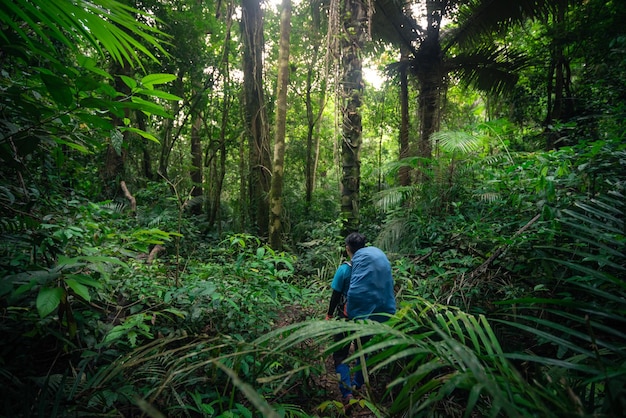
<point x="110" y="313"/>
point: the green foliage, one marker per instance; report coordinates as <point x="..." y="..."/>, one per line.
<point x="72" y="24"/>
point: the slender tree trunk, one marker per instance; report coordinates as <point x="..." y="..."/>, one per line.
<point x="352" y="40"/>
<point x="243" y="183"/>
<point x="276" y="192"/>
<point x="167" y="138"/>
<point x="116" y="152"/>
<point x="217" y="163"/>
<point x="256" y="115"/>
<point x="560" y="100"/>
<point x="146" y="162"/>
<point x="404" y="174"/>
<point x="308" y="171"/>
<point x="313" y="118"/>
<point x="196" y="164"/>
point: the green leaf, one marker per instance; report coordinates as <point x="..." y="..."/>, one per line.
<point x="159" y="78"/>
<point x="73" y="145"/>
<point x="61" y="93"/>
<point x="142" y="133"/>
<point x="48" y="300"/>
<point x="148" y="107"/>
<point x="82" y="260"/>
<point x="158" y="93"/>
<point x="130" y="82"/>
<point x="85" y="280"/>
<point x="90" y="64"/>
<point x="79" y="289"/>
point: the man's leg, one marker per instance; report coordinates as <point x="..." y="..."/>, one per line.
<point x="358" y="380"/>
<point x="341" y="368"/>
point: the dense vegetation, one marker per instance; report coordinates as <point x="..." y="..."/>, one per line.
<point x="138" y="278"/>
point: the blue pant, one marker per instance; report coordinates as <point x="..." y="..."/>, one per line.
<point x="346" y="383"/>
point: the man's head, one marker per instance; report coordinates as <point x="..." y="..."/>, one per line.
<point x="354" y="241"/>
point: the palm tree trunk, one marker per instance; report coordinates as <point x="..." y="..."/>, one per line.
<point x="430" y="76"/>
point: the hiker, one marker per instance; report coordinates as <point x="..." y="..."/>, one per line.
<point x="368" y="294"/>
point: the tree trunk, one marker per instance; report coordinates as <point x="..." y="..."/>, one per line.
<point x="430" y="76"/>
<point x="116" y="152"/>
<point x="560" y="100"/>
<point x="217" y="164"/>
<point x="255" y="114"/>
<point x="404" y="174"/>
<point x="276" y="192"/>
<point x="353" y="37"/>
<point x="313" y="118"/>
<point x="196" y="165"/>
<point x="308" y="170"/>
<point x="146" y="162"/>
<point x="168" y="138"/>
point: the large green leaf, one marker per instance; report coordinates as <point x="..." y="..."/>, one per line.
<point x="58" y="89"/>
<point x="48" y="300"/>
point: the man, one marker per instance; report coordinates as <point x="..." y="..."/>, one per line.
<point x="370" y="295"/>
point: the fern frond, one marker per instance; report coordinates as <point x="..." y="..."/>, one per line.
<point x="488" y="197"/>
<point x="114" y="207"/>
<point x="389" y="199"/>
<point x="391" y="233"/>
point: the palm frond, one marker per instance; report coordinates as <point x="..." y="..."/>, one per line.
<point x="391" y="198"/>
<point x="580" y="329"/>
<point x="434" y="351"/>
<point x="392" y="233"/>
<point x="456" y="141"/>
<point x="391" y="23"/>
<point x="490" y="69"/>
<point x="479" y="18"/>
<point x="104" y="24"/>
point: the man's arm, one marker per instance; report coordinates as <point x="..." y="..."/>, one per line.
<point x="334" y="301"/>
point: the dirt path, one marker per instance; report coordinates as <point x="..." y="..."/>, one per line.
<point x="320" y="396"/>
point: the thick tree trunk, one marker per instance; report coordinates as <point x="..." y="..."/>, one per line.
<point x="276" y="192"/>
<point x="259" y="162"/>
<point x="430" y="76"/>
<point x="353" y="37"/>
<point x="428" y="114"/>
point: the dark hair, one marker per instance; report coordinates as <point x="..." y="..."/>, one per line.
<point x="355" y="241"/>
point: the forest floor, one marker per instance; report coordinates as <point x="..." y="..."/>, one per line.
<point x="320" y="397"/>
